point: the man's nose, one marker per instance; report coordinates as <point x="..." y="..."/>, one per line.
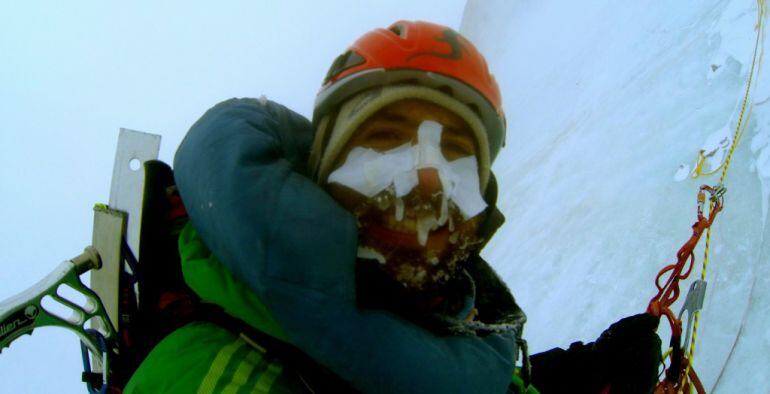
<point x="429" y="182"/>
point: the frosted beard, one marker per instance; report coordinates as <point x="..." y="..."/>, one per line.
<point x="417" y="240"/>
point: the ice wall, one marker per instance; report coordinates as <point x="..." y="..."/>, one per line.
<point x="608" y="105"/>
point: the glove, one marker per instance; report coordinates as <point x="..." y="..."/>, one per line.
<point x="629" y="354"/>
<point x="575" y="370"/>
<point x="626" y="356"/>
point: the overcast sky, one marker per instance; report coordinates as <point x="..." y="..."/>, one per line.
<point x="73" y="73"/>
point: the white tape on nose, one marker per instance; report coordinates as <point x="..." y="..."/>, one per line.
<point x="429" y="145"/>
<point x="370" y="172"/>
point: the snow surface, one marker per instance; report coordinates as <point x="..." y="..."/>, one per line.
<point x="608" y="106"/>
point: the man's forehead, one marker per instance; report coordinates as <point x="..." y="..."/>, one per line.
<point x="415" y="111"/>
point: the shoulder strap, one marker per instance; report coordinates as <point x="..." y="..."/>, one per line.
<point x="317" y="378"/>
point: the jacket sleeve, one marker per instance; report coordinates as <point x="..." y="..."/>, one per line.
<point x="241" y="173"/>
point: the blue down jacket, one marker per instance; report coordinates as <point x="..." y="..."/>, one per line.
<point x="241" y="171"/>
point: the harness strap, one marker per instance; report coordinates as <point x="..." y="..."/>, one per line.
<point x="316" y="377"/>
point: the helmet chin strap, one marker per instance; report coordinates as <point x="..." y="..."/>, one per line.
<point x="370" y="172"/>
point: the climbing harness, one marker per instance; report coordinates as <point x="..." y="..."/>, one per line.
<point x="680" y="375"/>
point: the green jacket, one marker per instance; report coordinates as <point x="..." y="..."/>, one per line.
<point x="214" y="359"/>
<point x="285" y="258"/>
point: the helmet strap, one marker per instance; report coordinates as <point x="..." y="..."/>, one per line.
<point x="320" y="143"/>
<point x="493" y="218"/>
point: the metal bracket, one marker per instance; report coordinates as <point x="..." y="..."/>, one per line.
<point x="126" y="194"/>
<point x="109" y="230"/>
<point x="692" y="304"/>
<point x="127" y="188"/>
<point x="122" y="218"/>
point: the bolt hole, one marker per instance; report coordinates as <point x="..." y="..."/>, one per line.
<point x="62" y="311"/>
<point x="134" y="164"/>
<point x="76" y="297"/>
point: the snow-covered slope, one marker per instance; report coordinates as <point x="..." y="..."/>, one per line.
<point x="607" y="107"/>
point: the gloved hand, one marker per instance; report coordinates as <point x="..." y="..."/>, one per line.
<point x="626" y="356"/>
<point x="629" y="354"/>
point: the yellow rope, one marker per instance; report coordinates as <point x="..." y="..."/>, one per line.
<point x="740" y="127"/>
<point x="698" y="171"/>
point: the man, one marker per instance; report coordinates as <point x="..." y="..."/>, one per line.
<point x="345" y="254"/>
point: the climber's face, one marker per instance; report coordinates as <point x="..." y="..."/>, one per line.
<point x="393" y="174"/>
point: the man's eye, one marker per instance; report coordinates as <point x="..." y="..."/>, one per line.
<point x="455" y="151"/>
<point x="384" y="135"/>
<point x="385" y="139"/>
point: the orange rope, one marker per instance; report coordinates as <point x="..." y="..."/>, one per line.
<point x="660" y="305"/>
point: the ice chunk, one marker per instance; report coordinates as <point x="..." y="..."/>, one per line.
<point x="425" y="224"/>
<point x="399" y="209"/>
<point x="682" y="172"/>
<point x="444" y="210"/>
<point x="370" y="254"/>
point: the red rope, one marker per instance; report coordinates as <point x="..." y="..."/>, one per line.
<point x="660" y="304"/>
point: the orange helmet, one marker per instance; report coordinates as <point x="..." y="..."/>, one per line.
<point x="418" y="53"/>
